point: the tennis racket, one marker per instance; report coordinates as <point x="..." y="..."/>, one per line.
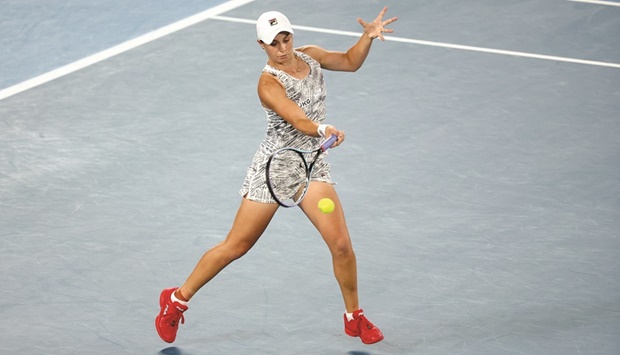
<point x="288" y="172"/>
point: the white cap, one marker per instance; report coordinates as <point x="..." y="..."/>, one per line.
<point x="269" y="24"/>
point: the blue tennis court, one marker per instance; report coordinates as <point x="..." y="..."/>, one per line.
<point x="480" y="178"/>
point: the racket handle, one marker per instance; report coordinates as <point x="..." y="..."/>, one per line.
<point x="329" y="142"/>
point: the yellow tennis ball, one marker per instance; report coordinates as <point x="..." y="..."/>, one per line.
<point x="326" y="205"/>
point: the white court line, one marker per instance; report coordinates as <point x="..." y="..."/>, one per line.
<point x="214" y="14"/>
<point x="121" y="48"/>
<point x="608" y="3"/>
<point x="441" y="44"/>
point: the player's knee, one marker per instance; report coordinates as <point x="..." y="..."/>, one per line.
<point x="238" y="250"/>
<point x="342" y="248"/>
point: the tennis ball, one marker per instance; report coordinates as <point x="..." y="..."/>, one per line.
<point x="326" y="205"/>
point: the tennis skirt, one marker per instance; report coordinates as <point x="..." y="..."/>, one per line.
<point x="255" y="188"/>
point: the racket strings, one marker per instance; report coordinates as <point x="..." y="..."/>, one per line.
<point x="288" y="176"/>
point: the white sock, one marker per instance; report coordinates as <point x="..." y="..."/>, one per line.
<point x="175" y="299"/>
<point x="349" y="316"/>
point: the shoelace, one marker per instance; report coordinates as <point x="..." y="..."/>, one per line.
<point x="175" y="316"/>
<point x="365" y="322"/>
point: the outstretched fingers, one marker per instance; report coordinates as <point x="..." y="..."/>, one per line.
<point x="376" y="28"/>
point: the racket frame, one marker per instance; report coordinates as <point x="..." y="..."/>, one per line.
<point x="328" y="143"/>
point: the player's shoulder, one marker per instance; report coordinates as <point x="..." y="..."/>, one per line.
<point x="268" y="77"/>
<point x="268" y="81"/>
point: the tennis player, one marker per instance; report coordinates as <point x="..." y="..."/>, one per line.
<point x="292" y="92"/>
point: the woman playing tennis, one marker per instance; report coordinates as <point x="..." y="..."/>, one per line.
<point x="292" y="92"/>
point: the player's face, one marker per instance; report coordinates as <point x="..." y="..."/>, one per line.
<point x="281" y="49"/>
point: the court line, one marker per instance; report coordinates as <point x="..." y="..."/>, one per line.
<point x="121" y="48"/>
<point x="440" y="44"/>
<point x="597" y="2"/>
<point x="214" y="12"/>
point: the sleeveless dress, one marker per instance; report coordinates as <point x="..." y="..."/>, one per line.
<point x="309" y="93"/>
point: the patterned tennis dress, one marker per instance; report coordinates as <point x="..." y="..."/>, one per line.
<point x="309" y="93"/>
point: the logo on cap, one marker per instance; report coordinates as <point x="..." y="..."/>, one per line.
<point x="273" y="22"/>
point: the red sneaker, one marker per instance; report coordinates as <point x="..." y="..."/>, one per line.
<point x="361" y="327"/>
<point x="167" y="322"/>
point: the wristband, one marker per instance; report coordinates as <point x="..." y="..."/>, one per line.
<point x="321" y="129"/>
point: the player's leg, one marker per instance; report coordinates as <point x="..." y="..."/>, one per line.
<point x="333" y="229"/>
<point x="250" y="222"/>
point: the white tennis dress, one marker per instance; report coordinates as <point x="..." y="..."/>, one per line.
<point x="309" y="93"/>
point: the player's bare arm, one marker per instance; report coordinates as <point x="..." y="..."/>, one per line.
<point x="273" y="96"/>
<point x="352" y="59"/>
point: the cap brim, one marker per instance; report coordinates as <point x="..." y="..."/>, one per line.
<point x="268" y="38"/>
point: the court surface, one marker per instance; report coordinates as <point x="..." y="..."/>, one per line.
<point x="480" y="178"/>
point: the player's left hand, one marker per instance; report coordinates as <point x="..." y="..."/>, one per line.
<point x="376" y="28"/>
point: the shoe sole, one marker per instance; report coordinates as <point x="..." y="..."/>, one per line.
<point x="351" y="334"/>
<point x="372" y="342"/>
